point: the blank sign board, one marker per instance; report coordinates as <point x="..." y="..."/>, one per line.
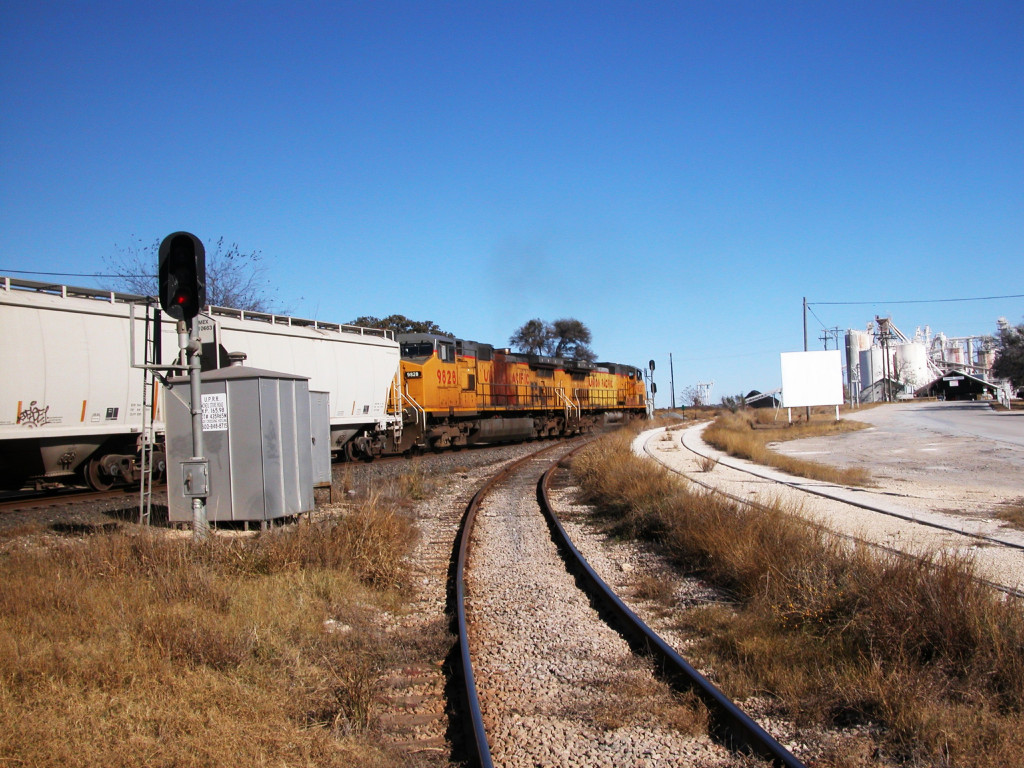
<point x="812" y="378"/>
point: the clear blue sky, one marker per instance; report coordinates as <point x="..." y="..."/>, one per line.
<point x="675" y="175"/>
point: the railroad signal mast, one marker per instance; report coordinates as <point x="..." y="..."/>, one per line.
<point x="182" y="269"/>
<point x="182" y="276"/>
<point x="649" y="375"/>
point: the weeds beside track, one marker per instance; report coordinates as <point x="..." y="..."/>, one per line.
<point x="838" y="634"/>
<point x="143" y="647"/>
<point x="748" y="434"/>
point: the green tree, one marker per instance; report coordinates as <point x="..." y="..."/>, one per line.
<point x="572" y="340"/>
<point x="1009" y="363"/>
<point x="399" y="324"/>
<point x="532" y="337"/>
<point x="566" y="338"/>
<point x="234" y="278"/>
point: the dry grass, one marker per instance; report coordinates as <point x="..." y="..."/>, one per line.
<point x="633" y="697"/>
<point x="840" y="635"/>
<point x="707" y="463"/>
<point x="655" y="587"/>
<point x="144" y="648"/>
<point x="747" y="434"/>
<point x="1012" y="512"/>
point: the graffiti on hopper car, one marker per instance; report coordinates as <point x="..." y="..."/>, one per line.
<point x="34" y="416"/>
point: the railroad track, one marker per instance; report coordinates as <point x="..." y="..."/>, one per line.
<point x="66" y="499"/>
<point x="556" y="669"/>
<point x="950" y="537"/>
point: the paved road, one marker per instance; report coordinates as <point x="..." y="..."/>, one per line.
<point x="959" y="419"/>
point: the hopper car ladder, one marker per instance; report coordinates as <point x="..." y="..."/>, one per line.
<point x="148" y="435"/>
<point x="396" y="418"/>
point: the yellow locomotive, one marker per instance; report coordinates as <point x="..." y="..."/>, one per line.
<point x="455" y="393"/>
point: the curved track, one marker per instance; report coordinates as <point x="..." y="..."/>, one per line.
<point x="552" y="685"/>
<point x="957" y="538"/>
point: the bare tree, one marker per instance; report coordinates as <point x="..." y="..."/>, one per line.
<point x="233" y="278"/>
<point x="692" y="396"/>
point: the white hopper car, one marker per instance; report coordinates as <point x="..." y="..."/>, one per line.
<point x="71" y="404"/>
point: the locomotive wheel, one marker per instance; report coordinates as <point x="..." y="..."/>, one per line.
<point x="95" y="478"/>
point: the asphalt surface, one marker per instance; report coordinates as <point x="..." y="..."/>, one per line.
<point x="957" y="419"/>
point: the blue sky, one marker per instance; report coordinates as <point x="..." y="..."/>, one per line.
<point x="678" y="176"/>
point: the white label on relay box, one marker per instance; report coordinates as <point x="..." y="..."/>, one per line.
<point x="215" y="412"/>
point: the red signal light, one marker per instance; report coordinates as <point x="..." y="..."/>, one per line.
<point x="182" y="266"/>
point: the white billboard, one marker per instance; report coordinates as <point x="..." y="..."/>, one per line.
<point x="812" y="378"/>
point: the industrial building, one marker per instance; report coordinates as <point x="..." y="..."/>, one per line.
<point x="884" y="364"/>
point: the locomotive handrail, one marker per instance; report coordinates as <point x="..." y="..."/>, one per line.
<point x="570" y="406"/>
<point x="421" y="412"/>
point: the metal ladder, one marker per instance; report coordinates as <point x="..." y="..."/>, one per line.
<point x="148" y="435"/>
<point x="396" y="399"/>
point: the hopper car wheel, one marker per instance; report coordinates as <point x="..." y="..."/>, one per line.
<point x="95" y="478"/>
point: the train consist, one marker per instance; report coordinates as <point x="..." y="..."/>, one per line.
<point x="72" y="404"/>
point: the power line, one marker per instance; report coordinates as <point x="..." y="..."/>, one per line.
<point x="913" y="301"/>
<point x="809" y="305"/>
<point x="63" y="274"/>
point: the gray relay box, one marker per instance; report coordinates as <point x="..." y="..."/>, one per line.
<point x="258" y="444"/>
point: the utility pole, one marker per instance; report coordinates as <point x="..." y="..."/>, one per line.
<point x="808" y="410"/>
<point x="830" y="333"/>
<point x="672" y="378"/>
<point x="805" y="323"/>
<point x="884" y="335"/>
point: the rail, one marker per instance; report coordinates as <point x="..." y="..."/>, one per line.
<point x="986" y="540"/>
<point x="728" y="722"/>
